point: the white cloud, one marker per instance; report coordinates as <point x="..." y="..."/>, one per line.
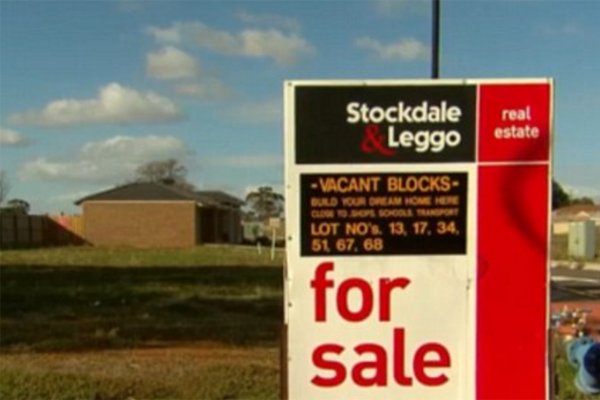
<point x="71" y="197"/>
<point x="165" y="35"/>
<point x="110" y="161"/>
<point x="408" y="49"/>
<point x="248" y="161"/>
<point x="398" y="7"/>
<point x="567" y="29"/>
<point x="170" y="63"/>
<point x="8" y="137"/>
<point x="114" y="105"/>
<point x="259" y="112"/>
<point x="583" y="191"/>
<point x="273" y="44"/>
<point x="271" y="20"/>
<point x="387" y="7"/>
<point x="197" y="33"/>
<point x="206" y="89"/>
<point x="283" y="48"/>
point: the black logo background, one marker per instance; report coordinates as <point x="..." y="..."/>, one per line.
<point x="324" y="137"/>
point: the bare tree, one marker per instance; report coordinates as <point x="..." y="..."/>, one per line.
<point x="4" y="186"/>
<point x="170" y="172"/>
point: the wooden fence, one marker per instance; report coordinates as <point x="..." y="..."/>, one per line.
<point x="25" y="231"/>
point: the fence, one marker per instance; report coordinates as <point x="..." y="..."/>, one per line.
<point x="22" y="231"/>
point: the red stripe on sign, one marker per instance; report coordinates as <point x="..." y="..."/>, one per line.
<point x="512" y="297"/>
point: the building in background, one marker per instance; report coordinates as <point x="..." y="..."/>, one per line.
<point x="158" y="215"/>
<point x="562" y="217"/>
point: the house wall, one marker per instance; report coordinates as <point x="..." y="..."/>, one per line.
<point x="219" y="226"/>
<point x="231" y="226"/>
<point x="562" y="226"/>
<point x="235" y="226"/>
<point x="140" y="224"/>
<point x="207" y="225"/>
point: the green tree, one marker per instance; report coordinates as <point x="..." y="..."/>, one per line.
<point x="583" y="200"/>
<point x="18" y="206"/>
<point x="560" y="198"/>
<point x="264" y="202"/>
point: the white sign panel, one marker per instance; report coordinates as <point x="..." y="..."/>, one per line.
<point x="394" y="269"/>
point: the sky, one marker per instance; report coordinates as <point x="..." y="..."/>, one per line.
<point x="91" y="89"/>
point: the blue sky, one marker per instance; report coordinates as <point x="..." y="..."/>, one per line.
<point x="89" y="90"/>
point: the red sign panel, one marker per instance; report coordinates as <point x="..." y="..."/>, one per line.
<point x="514" y="122"/>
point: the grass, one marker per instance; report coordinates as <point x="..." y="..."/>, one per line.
<point x="560" y="247"/>
<point x="224" y="382"/>
<point x="566" y="373"/>
<point x="566" y="386"/>
<point x="128" y="257"/>
<point x="182" y="316"/>
<point x="79" y="308"/>
<point x="69" y="299"/>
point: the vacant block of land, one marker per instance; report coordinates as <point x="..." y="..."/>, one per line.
<point x="202" y="323"/>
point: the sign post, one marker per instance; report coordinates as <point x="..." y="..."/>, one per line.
<point x="417" y="256"/>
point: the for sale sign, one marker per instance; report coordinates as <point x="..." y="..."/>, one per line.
<point x="418" y="222"/>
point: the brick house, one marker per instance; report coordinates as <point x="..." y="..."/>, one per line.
<point x="562" y="217"/>
<point x="157" y="215"/>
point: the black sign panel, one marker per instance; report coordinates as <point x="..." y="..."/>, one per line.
<point x="383" y="214"/>
<point x="385" y="124"/>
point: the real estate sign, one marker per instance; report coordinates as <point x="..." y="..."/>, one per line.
<point x="418" y="224"/>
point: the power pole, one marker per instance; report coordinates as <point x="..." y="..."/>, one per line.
<point x="435" y="40"/>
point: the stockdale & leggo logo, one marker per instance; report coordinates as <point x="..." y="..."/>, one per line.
<point x="376" y="119"/>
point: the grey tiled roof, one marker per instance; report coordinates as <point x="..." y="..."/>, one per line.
<point x="147" y="191"/>
<point x="218" y="197"/>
